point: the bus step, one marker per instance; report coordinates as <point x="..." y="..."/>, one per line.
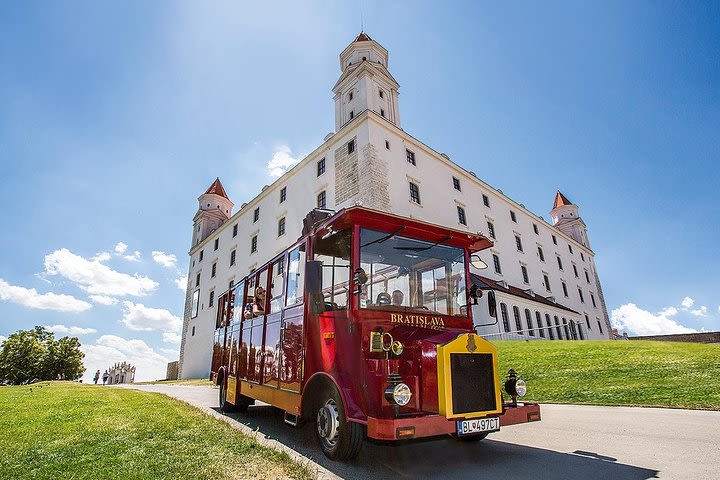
<point x="291" y="419"/>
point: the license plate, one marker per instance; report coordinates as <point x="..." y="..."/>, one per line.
<point x="478" y="425"/>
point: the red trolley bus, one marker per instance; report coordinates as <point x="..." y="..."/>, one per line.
<point x="365" y="327"/>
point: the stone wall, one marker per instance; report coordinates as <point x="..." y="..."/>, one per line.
<point x="346" y="173"/>
<point x="700" y="337"/>
<point x="172" y="371"/>
<point x="374" y="180"/>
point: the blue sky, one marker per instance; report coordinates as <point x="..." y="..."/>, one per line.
<point x="114" y="117"/>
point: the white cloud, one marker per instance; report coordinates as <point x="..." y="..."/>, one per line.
<point x="95" y="277"/>
<point x="281" y="161"/>
<point x="171" y="352"/>
<point x="167" y="260"/>
<point x="109" y="349"/>
<point x="668" y="311"/>
<point x="134" y="257"/>
<point x="101" y="257"/>
<point x="2" y="339"/>
<point x="29" y="297"/>
<point x="103" y="299"/>
<point x="62" y="329"/>
<point x="137" y="316"/>
<point x="700" y="312"/>
<point x="641" y="322"/>
<point x="182" y="283"/>
<point x="687" y="302"/>
<point x="120" y="248"/>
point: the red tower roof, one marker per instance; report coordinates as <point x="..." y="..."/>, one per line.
<point x="217" y="189"/>
<point x="362" y="38"/>
<point x="561" y="200"/>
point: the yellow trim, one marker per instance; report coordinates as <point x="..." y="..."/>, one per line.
<point x="463" y="344"/>
<point x="288" y="401"/>
<point x="231" y="389"/>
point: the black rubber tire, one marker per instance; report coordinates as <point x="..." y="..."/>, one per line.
<point x="225" y="406"/>
<point x="350" y="434"/>
<point x="473" y="438"/>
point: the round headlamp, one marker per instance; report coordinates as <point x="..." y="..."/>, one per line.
<point x="516" y="387"/>
<point x="399" y="394"/>
<point x="397" y="347"/>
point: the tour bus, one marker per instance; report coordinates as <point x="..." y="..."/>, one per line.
<point x="365" y="326"/>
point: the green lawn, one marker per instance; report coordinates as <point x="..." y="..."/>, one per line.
<point x="69" y="430"/>
<point x="664" y="374"/>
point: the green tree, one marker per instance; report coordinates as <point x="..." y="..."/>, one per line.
<point x="29" y="354"/>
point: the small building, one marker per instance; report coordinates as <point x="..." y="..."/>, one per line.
<point x="172" y="371"/>
<point x="121" y="372"/>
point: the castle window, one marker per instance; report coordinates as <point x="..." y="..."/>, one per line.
<point x="235" y="227"/>
<point x="570" y="248"/>
<point x="321" y="199"/>
<point x="253" y="244"/>
<point x="504" y="314"/>
<point x="559" y="263"/>
<point x="211" y="298"/>
<point x="410" y="156"/>
<point x="537" y="232"/>
<point x="541" y="330"/>
<point x="232" y="258"/>
<point x="461" y="215"/>
<point x="582" y="256"/>
<point x="456" y="183"/>
<point x="486" y="201"/>
<point x="256" y="214"/>
<point x="528" y="318"/>
<point x="283" y="194"/>
<point x="541" y="254"/>
<point x="281" y="227"/>
<point x="382" y="112"/>
<point x="518" y="322"/>
<point x="523" y="268"/>
<point x="320" y="167"/>
<point x="587" y="277"/>
<point x="564" y="287"/>
<point x="231" y="284"/>
<point x="512" y="216"/>
<point x="193" y="330"/>
<point x="197" y="280"/>
<point x="195" y="305"/>
<point x="214" y="270"/>
<point x="592" y="298"/>
<point x="491" y="230"/>
<point x="575" y="270"/>
<point x="351" y="146"/>
<point x="550" y="331"/>
<point x="350" y="96"/>
<point x="599" y="325"/>
<point x="382" y="94"/>
<point x="582" y="299"/>
<point x="518" y="243"/>
<point x="496" y="264"/>
<point x="387" y="145"/>
<point x="352" y="114"/>
<point x="201" y="255"/>
<point x="587" y="322"/>
<point x="217" y="243"/>
<point x="554" y="240"/>
<point x="547" y="282"/>
<point x="414" y="193"/>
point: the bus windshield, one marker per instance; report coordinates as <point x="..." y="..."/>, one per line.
<point x="412" y="275"/>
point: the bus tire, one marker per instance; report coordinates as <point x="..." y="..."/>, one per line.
<point x="225" y="406"/>
<point x="338" y="438"/>
<point x="473" y="438"/>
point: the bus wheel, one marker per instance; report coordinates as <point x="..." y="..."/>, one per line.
<point x="225" y="406"/>
<point x="339" y="439"/>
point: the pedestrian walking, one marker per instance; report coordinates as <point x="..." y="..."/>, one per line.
<point x="96" y="377"/>
<point x="105" y="376"/>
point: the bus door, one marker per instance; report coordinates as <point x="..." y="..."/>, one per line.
<point x="233" y="316"/>
<point x="246" y="317"/>
<point x="273" y="323"/>
<point x="291" y="337"/>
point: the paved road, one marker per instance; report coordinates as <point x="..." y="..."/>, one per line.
<point x="570" y="442"/>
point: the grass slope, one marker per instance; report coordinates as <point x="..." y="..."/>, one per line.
<point x="69" y="430"/>
<point x="639" y="373"/>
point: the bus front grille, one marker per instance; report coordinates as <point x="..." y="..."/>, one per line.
<point x="473" y="382"/>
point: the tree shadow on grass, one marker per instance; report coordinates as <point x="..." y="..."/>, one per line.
<point x="444" y="457"/>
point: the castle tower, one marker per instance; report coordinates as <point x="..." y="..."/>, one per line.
<point x="365" y="83"/>
<point x="214" y="207"/>
<point x="565" y="217"/>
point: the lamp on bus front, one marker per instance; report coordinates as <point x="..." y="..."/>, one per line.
<point x="399" y="394"/>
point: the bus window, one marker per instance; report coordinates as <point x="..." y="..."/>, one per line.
<point x="276" y="285"/>
<point x="295" y="277"/>
<point x="237" y="302"/>
<point x="408" y="274"/>
<point x="260" y="302"/>
<point x="334" y="253"/>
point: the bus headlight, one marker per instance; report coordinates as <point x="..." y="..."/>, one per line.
<point x="397" y="348"/>
<point x="399" y="394"/>
<point x="514" y="386"/>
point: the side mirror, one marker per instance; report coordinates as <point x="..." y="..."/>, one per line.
<point x="477" y="262"/>
<point x="475" y="293"/>
<point x="492" y="304"/>
<point x="313" y="286"/>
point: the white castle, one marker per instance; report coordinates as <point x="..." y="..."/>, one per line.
<point x="121" y="372"/>
<point x="542" y="274"/>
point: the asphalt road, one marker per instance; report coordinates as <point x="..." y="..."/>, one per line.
<point x="570" y="442"/>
